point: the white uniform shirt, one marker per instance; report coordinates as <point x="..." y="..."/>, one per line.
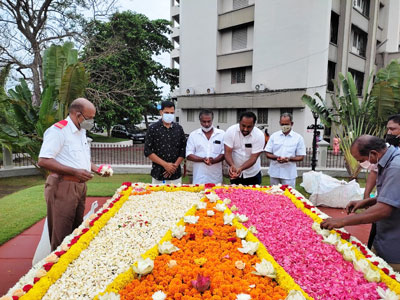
<point x="283" y="145"/>
<point x="244" y="146"/>
<point x="199" y="145"/>
<point x="67" y="145"/>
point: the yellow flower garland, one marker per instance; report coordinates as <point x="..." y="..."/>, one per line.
<point x="40" y="288"/>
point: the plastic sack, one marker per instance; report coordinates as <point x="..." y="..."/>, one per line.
<point x="331" y="192"/>
<point x="44" y="249"/>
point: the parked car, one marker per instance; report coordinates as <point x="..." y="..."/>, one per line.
<point x="129" y="132"/>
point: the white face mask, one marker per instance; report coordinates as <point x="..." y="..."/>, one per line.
<point x="168" y="118"/>
<point x="286" y="128"/>
<point x="205" y="129"/>
<point x="368" y="165"/>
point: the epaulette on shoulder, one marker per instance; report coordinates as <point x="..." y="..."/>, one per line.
<point x="61" y="124"/>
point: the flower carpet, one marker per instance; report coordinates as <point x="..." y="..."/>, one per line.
<point x="208" y="242"/>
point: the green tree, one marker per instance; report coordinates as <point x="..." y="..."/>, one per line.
<point x="65" y="79"/>
<point x="123" y="74"/>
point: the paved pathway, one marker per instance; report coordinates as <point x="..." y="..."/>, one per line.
<point x="16" y="255"/>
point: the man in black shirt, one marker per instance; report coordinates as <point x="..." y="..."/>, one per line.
<point x="165" y="146"/>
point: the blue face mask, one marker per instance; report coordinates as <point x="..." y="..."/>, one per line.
<point x="168" y="118"/>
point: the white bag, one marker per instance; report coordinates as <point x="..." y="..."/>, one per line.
<point x="328" y="191"/>
<point x="44" y="249"/>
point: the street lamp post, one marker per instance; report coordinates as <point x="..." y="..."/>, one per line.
<point x="315" y="127"/>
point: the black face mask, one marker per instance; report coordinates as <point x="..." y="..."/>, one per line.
<point x="392" y="139"/>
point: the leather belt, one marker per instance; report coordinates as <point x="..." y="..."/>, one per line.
<point x="66" y="177"/>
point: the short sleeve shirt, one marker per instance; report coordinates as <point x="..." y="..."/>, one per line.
<point x="67" y="145"/>
<point x="168" y="144"/>
<point x="244" y="146"/>
<point x="387" y="239"/>
<point x="289" y="145"/>
<point x="199" y="145"/>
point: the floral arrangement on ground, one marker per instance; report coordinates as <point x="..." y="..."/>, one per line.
<point x="208" y="242"/>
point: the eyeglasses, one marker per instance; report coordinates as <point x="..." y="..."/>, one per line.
<point x="83" y="116"/>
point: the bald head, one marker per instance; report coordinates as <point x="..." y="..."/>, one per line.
<point x="81" y="104"/>
<point x="365" y="145"/>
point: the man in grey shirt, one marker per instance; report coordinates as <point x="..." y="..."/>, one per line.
<point x="385" y="208"/>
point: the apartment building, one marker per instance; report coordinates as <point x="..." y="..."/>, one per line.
<point x="263" y="55"/>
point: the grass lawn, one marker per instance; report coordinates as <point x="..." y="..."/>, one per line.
<point x="105" y="139"/>
<point x="22" y="209"/>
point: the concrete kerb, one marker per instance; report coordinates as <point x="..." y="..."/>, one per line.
<point x="145" y="169"/>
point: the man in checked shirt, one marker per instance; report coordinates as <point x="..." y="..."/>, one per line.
<point x="165" y="146"/>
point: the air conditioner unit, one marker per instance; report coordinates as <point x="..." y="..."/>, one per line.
<point x="259" y="87"/>
<point x="210" y="90"/>
<point x="190" y="91"/>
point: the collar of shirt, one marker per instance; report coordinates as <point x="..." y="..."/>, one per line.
<point x="290" y="133"/>
<point x="72" y="124"/>
<point x="385" y="158"/>
<point x="215" y="132"/>
<point x="161" y="124"/>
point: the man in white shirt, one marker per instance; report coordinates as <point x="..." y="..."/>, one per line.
<point x="205" y="148"/>
<point x="65" y="153"/>
<point x="285" y="148"/>
<point x="243" y="146"/>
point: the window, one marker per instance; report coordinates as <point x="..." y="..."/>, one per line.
<point x="239" y="111"/>
<point x="358" y="80"/>
<point x="262" y="116"/>
<point x="359" y="44"/>
<point x="334" y="28"/>
<point x="362" y="6"/>
<point x="222" y="116"/>
<point x="240" y="3"/>
<point x="239" y="38"/>
<point x="190" y="115"/>
<point x="287" y="110"/>
<point x="331" y="75"/>
<point x="238" y="75"/>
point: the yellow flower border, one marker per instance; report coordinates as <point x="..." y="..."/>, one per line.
<point x="391" y="283"/>
<point x="40" y="288"/>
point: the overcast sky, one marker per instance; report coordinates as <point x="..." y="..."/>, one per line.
<point x="153" y="9"/>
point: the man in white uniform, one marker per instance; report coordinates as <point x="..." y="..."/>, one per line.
<point x="205" y="148"/>
<point x="285" y="148"/>
<point x="65" y="153"/>
<point x="243" y="146"/>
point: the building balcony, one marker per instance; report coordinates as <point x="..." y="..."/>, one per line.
<point x="237" y="17"/>
<point x="235" y="60"/>
<point x="175" y="11"/>
<point x="175" y="55"/>
<point x="175" y="34"/>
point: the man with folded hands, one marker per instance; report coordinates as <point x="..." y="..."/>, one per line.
<point x="65" y="153"/>
<point x="384" y="209"/>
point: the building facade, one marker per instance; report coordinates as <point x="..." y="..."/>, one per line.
<point x="263" y="55"/>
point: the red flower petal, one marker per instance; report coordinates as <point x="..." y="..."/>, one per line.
<point x="59" y="253"/>
<point x="385" y="270"/>
<point x="27" y="287"/>
<point x="48" y="266"/>
<point x="15" y="297"/>
<point x="36" y="279"/>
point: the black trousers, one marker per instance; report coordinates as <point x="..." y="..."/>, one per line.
<point x="248" y="181"/>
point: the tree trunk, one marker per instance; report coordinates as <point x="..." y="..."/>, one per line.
<point x="146" y="121"/>
<point x="37" y="76"/>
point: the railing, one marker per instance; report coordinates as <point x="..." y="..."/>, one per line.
<point x="133" y="155"/>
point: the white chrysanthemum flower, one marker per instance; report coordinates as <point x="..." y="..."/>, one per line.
<point x="178" y="231"/>
<point x="167" y="248"/>
<point x="241" y="233"/>
<point x="242" y="218"/>
<point x="210" y="213"/>
<point x="228" y="218"/>
<point x="243" y="297"/>
<point x="144" y="266"/>
<point x="201" y="205"/>
<point x="160" y="295"/>
<point x="332" y="239"/>
<point x="295" y="295"/>
<point x="191" y="219"/>
<point x="212" y="197"/>
<point x="227" y="201"/>
<point x="220" y="207"/>
<point x="361" y="265"/>
<point x="265" y="268"/>
<point x="372" y="275"/>
<point x="249" y="247"/>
